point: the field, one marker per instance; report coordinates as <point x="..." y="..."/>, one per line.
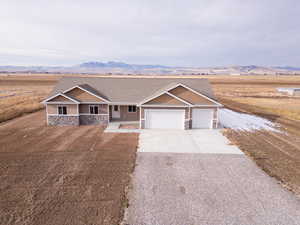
<point x="259" y="96"/>
<point x="46" y="178"/>
<point x="23" y="94"/>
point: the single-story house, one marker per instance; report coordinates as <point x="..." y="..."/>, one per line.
<point x="158" y="103"/>
<point x="291" y="91"/>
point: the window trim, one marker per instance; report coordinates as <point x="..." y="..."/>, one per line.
<point x="133" y="107"/>
<point x="93" y="106"/>
<point x="62" y="106"/>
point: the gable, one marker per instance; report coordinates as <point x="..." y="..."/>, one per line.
<point x="82" y="95"/>
<point x="60" y="98"/>
<point x="164" y="99"/>
<point x="190" y="96"/>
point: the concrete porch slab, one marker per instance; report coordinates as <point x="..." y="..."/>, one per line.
<point x="114" y="127"/>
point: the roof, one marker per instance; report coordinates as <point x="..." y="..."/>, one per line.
<point x="130" y="90"/>
<point x="92" y="90"/>
<point x="62" y="94"/>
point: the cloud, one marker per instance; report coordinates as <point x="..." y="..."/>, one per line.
<point x="186" y="33"/>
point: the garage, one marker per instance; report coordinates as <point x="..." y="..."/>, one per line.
<point x="202" y="118"/>
<point x="164" y="119"/>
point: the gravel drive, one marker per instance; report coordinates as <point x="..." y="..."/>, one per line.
<point x="213" y="189"/>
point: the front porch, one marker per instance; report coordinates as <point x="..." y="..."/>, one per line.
<point x="124" y="113"/>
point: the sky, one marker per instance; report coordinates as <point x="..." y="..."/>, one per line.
<point x="167" y="32"/>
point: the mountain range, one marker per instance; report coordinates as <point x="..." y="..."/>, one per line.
<point x="112" y="67"/>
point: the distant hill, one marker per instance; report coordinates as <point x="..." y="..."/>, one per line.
<point x="112" y="64"/>
<point x="288" y="68"/>
<point x="112" y="67"/>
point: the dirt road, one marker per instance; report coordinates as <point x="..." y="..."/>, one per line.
<point x="62" y="175"/>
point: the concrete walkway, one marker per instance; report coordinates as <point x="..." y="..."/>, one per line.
<point x="184" y="187"/>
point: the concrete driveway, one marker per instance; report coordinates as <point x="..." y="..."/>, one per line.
<point x="200" y="182"/>
<point x="189" y="141"/>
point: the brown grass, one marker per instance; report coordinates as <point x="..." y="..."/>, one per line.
<point x="258" y="95"/>
<point x="20" y="95"/>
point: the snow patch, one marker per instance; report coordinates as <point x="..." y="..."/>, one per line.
<point x="243" y="121"/>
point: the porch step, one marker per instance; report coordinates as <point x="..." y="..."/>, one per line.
<point x="113" y="126"/>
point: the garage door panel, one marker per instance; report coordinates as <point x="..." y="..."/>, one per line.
<point x="165" y="119"/>
<point x="202" y="118"/>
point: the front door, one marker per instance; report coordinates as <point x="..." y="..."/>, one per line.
<point x="115" y="111"/>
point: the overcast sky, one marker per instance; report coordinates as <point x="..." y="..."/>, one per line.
<point x="168" y="32"/>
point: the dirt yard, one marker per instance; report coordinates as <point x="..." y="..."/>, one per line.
<point x="278" y="154"/>
<point x="62" y="175"/>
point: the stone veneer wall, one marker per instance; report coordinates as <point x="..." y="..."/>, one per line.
<point x="63" y="120"/>
<point x="187" y="124"/>
<point x="93" y="119"/>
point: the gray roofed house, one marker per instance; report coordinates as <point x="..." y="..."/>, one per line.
<point x="290" y="90"/>
<point x="158" y="103"/>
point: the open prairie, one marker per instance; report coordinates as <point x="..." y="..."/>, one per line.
<point x="258" y="95"/>
<point x="23" y="94"/>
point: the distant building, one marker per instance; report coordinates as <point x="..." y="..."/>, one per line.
<point x="291" y="91"/>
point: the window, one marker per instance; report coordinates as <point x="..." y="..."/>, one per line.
<point x="116" y="108"/>
<point x="94" y="109"/>
<point x="131" y="108"/>
<point x="62" y="110"/>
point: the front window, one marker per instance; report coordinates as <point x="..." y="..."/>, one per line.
<point x="131" y="108"/>
<point x="116" y="108"/>
<point x="94" y="109"/>
<point x="62" y="110"/>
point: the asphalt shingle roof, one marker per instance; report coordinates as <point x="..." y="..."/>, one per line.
<point x="130" y="90"/>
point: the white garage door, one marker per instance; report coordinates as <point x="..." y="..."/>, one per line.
<point x="164" y="119"/>
<point x="202" y="118"/>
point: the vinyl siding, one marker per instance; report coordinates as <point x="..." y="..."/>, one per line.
<point x="85" y="108"/>
<point x="71" y="109"/>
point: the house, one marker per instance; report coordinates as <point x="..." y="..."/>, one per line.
<point x="291" y="91"/>
<point x="159" y="103"/>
